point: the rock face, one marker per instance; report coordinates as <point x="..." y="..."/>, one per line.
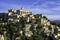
<point x="1" y="37"/>
<point x="23" y="23"/>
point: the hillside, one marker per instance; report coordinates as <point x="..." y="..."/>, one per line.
<point x="24" y="25"/>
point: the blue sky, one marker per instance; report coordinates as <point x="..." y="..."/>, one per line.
<point x="49" y="8"/>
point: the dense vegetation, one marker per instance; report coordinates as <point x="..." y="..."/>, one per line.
<point x="11" y="30"/>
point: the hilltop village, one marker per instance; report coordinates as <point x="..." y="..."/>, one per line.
<point x="22" y="24"/>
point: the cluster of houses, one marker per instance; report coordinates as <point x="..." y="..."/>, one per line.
<point x="30" y="23"/>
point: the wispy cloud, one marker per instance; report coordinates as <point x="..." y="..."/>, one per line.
<point x="34" y="3"/>
<point x="48" y="7"/>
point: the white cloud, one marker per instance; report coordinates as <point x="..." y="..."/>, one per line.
<point x="53" y="17"/>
